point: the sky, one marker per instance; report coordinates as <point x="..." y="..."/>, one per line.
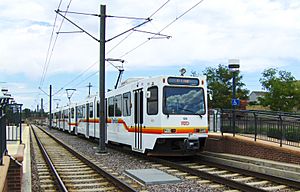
<point x="260" y="33"/>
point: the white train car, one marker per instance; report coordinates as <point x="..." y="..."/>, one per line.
<point x="165" y="115"/>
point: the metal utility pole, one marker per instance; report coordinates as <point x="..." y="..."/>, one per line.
<point x="102" y="41"/>
<point x="89" y="86"/>
<point x="50" y="107"/>
<point x="42" y="107"/>
<point x="234" y="65"/>
<point x="102" y="122"/>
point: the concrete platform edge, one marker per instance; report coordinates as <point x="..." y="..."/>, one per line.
<point x="256" y="168"/>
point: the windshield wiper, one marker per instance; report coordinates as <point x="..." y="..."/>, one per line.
<point x="191" y="112"/>
<point x="199" y="115"/>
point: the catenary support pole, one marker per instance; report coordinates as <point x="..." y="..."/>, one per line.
<point x="102" y="123"/>
<point x="50" y="107"/>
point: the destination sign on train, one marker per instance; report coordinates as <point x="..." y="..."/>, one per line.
<point x="183" y="81"/>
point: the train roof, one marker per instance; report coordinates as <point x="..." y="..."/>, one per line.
<point x="136" y="79"/>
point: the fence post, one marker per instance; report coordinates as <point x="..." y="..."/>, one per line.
<point x="255" y="126"/>
<point x="20" y="123"/>
<point x="233" y="121"/>
<point x="3" y="148"/>
<point x="1" y="139"/>
<point x="216" y="120"/>
<point x="222" y="123"/>
<point x="281" y="129"/>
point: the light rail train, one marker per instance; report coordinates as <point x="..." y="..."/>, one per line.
<point x="157" y="115"/>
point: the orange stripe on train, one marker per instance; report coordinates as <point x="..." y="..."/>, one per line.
<point x="153" y="130"/>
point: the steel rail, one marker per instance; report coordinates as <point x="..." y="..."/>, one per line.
<point x="117" y="182"/>
<point x="58" y="180"/>
<point x="284" y="181"/>
<point x="201" y="174"/>
<point x="211" y="177"/>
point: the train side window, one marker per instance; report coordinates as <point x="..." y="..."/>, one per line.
<point x="118" y="105"/>
<point x="83" y="111"/>
<point x="111" y="106"/>
<point x="79" y="111"/>
<point x="98" y="108"/>
<point x="152" y="101"/>
<point x="72" y="113"/>
<point x="91" y="110"/>
<point x="66" y="115"/>
<point x="126" y="104"/>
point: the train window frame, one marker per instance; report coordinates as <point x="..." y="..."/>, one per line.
<point x="111" y="107"/>
<point x="84" y="111"/>
<point x="98" y="109"/>
<point x="91" y="110"/>
<point x="79" y="111"/>
<point x="118" y="105"/>
<point x="72" y="113"/>
<point x="203" y="97"/>
<point x="126" y="104"/>
<point x="66" y="114"/>
<point x="151" y="100"/>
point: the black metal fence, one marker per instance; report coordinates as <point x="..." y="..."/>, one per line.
<point x="283" y="128"/>
<point x="10" y="126"/>
<point x="2" y="138"/>
<point x="14" y="122"/>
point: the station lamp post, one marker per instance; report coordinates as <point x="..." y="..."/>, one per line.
<point x="234" y="66"/>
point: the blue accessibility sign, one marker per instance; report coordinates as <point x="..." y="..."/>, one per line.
<point x="235" y="102"/>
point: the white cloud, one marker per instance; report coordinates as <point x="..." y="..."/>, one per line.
<point x="261" y="33"/>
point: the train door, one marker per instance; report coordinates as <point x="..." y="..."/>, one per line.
<point x="64" y="119"/>
<point x="138" y="118"/>
<point x="73" y="120"/>
<point x="91" y="119"/>
<point x="69" y="119"/>
<point x="87" y="110"/>
<point x="76" y="120"/>
<point x="59" y="120"/>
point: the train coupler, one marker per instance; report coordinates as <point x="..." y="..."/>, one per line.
<point x="192" y="143"/>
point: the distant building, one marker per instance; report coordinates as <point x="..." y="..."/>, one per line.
<point x="254" y="95"/>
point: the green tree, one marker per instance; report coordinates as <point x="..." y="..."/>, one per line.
<point x="26" y="113"/>
<point x="219" y="82"/>
<point x="282" y="90"/>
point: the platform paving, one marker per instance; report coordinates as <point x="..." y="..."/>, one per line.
<point x="13" y="147"/>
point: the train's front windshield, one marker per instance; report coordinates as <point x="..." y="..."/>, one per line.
<point x="183" y="101"/>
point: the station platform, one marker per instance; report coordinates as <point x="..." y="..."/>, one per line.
<point x="21" y="153"/>
<point x="246" y="146"/>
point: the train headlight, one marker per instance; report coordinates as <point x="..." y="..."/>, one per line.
<point x="198" y="130"/>
<point x="169" y="130"/>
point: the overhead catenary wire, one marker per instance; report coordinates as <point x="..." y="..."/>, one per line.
<point x="77" y="77"/>
<point x="155" y="12"/>
<point x="49" y="56"/>
<point x="97" y="15"/>
<point x="50" y="43"/>
<point x="132" y="30"/>
<point x="168" y="25"/>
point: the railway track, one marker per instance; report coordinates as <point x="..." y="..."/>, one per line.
<point x="225" y="178"/>
<point x="61" y="168"/>
<point x="222" y="178"/>
<point x="219" y="176"/>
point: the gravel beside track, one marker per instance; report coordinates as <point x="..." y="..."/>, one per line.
<point x="119" y="162"/>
